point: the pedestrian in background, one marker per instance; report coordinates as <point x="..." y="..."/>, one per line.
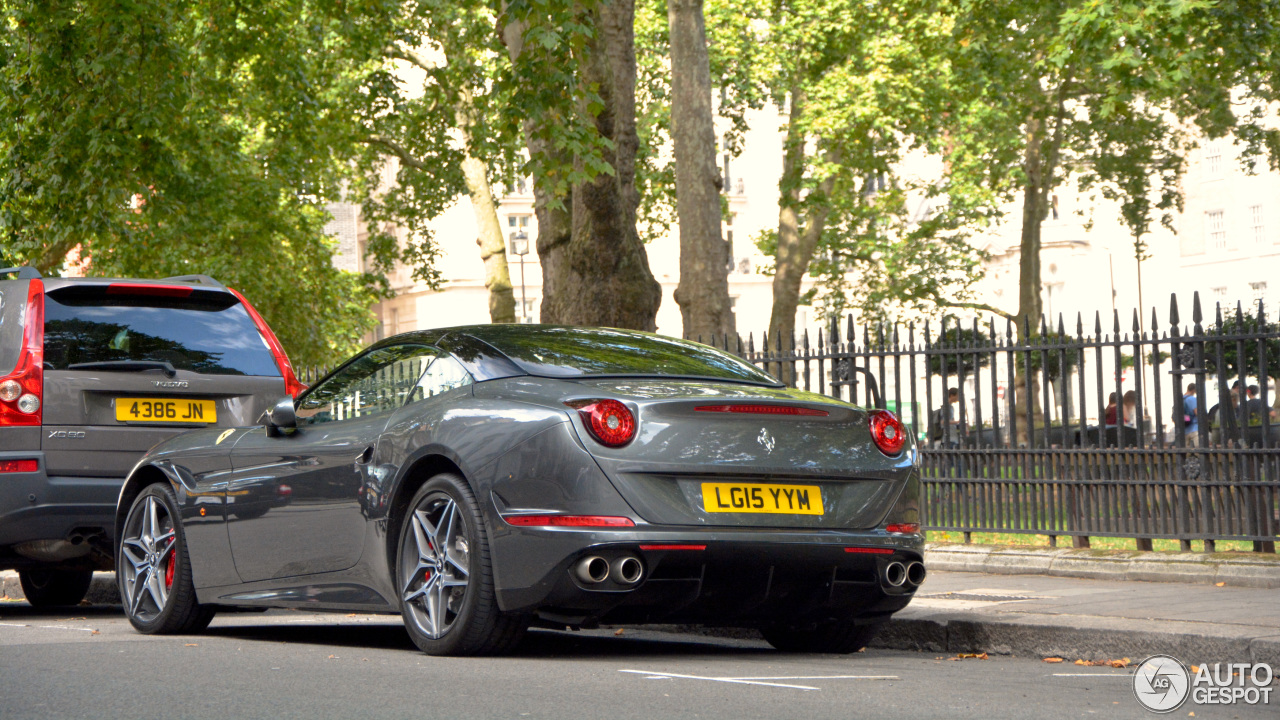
<point x="1190" y="418"/>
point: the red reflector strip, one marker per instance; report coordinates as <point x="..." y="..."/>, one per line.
<point x="903" y="528"/>
<point x="148" y="289"/>
<point x="14" y="466"/>
<point x="673" y="547"/>
<point x="568" y="521"/>
<point x="870" y="551"/>
<point x="763" y="410"/>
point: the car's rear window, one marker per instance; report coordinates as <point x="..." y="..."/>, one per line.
<point x="212" y="334"/>
<point x="551" y="351"/>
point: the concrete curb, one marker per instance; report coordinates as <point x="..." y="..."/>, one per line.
<point x="102" y="591"/>
<point x="1075" y="637"/>
<point x="1207" y="569"/>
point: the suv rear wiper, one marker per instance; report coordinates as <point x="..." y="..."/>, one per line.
<point x="127" y="366"/>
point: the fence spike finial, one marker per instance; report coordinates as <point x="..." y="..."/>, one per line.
<point x="1173" y="309"/>
<point x="806" y="340"/>
<point x="1044" y="327"/>
<point x="1116" y="322"/>
<point x="1239" y="315"/>
<point x="1197" y="315"/>
<point x="1137" y="326"/>
<point x="751" y="343"/>
<point x="1262" y="315"/>
<point x="1217" y="315"/>
<point x="848" y="335"/>
<point x="1062" y="328"/>
<point x="1079" y="323"/>
<point x="1097" y="324"/>
<point x="1008" y="329"/>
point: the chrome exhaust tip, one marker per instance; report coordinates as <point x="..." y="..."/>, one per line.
<point x="627" y="570"/>
<point x="915" y="572"/>
<point x="592" y="570"/>
<point x="895" y="573"/>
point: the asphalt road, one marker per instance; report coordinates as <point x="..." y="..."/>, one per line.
<point x="296" y="664"/>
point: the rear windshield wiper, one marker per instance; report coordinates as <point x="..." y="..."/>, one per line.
<point x="127" y="366"/>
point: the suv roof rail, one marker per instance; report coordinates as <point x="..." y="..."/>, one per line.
<point x="198" y="279"/>
<point x="25" y="272"/>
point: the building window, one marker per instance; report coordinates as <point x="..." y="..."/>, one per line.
<point x="393" y="324"/>
<point x="516" y="225"/>
<point x="1219" y="293"/>
<point x="1259" y="291"/>
<point x="526" y="309"/>
<point x="1213" y="159"/>
<point x="1216" y="230"/>
<point x="1259" y="225"/>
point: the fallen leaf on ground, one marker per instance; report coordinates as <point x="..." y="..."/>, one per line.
<point x="351" y="615"/>
<point x="1221" y="584"/>
<point x="1121" y="663"/>
<point x="334" y="657"/>
<point x="965" y="656"/>
<point x="192" y="645"/>
<point x="95" y="632"/>
<point x="618" y="631"/>
<point x="1195" y="668"/>
<point x="1053" y="659"/>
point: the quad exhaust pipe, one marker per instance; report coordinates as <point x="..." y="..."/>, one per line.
<point x="915" y="572"/>
<point x="592" y="570"/>
<point x="895" y="573"/>
<point x="911" y="574"/>
<point x="624" y="570"/>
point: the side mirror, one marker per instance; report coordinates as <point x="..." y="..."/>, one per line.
<point x="282" y="419"/>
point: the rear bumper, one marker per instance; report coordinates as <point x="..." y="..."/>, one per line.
<point x="741" y="578"/>
<point x="34" y="507"/>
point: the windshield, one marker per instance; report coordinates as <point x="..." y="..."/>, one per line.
<point x="214" y="337"/>
<point x="551" y="351"/>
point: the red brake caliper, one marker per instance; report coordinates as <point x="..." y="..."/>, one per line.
<point x="168" y="572"/>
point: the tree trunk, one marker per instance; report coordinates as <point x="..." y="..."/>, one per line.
<point x="703" y="293"/>
<point x="493" y="247"/>
<point x="1030" y="305"/>
<point x="594" y="267"/>
<point x="789" y="263"/>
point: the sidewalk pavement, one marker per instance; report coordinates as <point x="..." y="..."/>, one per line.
<point x="1088" y="619"/>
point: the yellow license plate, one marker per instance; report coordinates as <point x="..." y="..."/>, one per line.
<point x="163" y="410"/>
<point x="760" y="498"/>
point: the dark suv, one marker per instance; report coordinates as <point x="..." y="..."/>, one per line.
<point x="93" y="372"/>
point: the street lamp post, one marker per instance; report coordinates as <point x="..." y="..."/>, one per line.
<point x="520" y="245"/>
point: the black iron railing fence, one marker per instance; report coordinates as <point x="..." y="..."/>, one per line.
<point x="1033" y="443"/>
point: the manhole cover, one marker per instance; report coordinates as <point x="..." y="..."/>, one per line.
<point x="974" y="597"/>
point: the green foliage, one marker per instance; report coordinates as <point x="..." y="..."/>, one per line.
<point x="1056" y="358"/>
<point x="951" y="340"/>
<point x="1234" y="324"/>
<point x="205" y="137"/>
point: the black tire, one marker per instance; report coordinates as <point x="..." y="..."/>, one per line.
<point x="844" y="637"/>
<point x="478" y="627"/>
<point x="48" y="587"/>
<point x="180" y="613"/>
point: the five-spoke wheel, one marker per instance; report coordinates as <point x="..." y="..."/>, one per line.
<point x="434" y="589"/>
<point x="152" y="568"/>
<point x="445" y="577"/>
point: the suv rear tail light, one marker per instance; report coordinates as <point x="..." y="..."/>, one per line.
<point x="291" y="383"/>
<point x="22" y="389"/>
<point x="19" y="466"/>
<point x="887" y="431"/>
<point x="609" y="421"/>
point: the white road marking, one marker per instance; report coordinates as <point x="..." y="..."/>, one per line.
<point x="821" y="677"/>
<point x="716" y="679"/>
<point x="762" y="680"/>
<point x="48" y="627"/>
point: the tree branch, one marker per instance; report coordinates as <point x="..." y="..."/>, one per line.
<point x="978" y="306"/>
<point x="412" y="57"/>
<point x="396" y="149"/>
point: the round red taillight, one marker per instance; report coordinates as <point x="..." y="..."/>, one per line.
<point x="887" y="431"/>
<point x="609" y="421"/>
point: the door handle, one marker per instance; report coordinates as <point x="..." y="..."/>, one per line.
<point x="365" y="456"/>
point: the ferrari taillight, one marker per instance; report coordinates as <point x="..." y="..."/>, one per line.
<point x="609" y="421"/>
<point x="22" y="390"/>
<point x="887" y="431"/>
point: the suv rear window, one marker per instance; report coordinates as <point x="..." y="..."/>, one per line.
<point x="552" y="351"/>
<point x="210" y="334"/>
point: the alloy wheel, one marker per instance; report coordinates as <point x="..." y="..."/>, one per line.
<point x="435" y="570"/>
<point x="148" y="551"/>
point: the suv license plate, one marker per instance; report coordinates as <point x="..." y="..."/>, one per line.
<point x="760" y="498"/>
<point x="162" y="410"/>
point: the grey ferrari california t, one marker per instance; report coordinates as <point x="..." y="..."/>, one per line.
<point x="478" y="480"/>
